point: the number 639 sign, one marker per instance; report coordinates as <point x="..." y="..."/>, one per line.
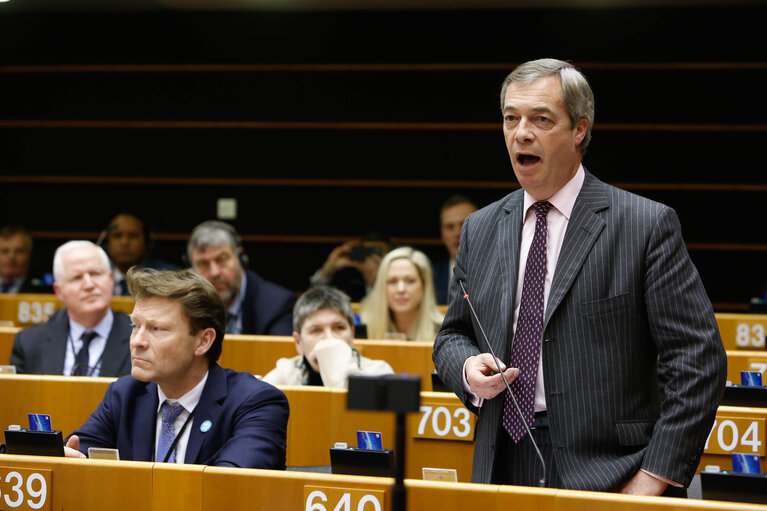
<point x="24" y="489"/>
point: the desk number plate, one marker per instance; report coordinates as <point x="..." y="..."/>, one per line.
<point x="25" y="489"/>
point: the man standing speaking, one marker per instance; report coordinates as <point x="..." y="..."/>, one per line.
<point x="586" y="293"/>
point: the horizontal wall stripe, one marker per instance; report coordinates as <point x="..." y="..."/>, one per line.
<point x="337" y="240"/>
<point x="353" y="183"/>
<point x="329" y="67"/>
<point x="383" y="126"/>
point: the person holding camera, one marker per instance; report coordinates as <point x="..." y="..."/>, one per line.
<point x="353" y="266"/>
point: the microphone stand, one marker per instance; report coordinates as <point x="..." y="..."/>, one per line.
<point x="542" y="480"/>
<point x="398" y="491"/>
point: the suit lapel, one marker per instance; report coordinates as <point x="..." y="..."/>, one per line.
<point x="145" y="419"/>
<point x="56" y="344"/>
<point x="208" y="409"/>
<point x="582" y="232"/>
<point x="509" y="239"/>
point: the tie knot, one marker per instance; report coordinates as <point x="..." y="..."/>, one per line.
<point x="541" y="208"/>
<point x="170" y="412"/>
<point x="87" y="337"/>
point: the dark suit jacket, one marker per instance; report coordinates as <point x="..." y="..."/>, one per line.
<point x="441" y="272"/>
<point x="41" y="349"/>
<point x="267" y="308"/>
<point x="624" y="296"/>
<point x="248" y="418"/>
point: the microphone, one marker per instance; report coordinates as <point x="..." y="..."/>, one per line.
<point x="460" y="277"/>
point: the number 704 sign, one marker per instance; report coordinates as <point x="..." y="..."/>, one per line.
<point x="736" y="435"/>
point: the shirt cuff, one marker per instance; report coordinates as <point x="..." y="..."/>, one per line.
<point x="667" y="481"/>
<point x="473" y="398"/>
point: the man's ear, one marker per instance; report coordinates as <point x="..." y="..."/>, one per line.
<point x="297" y="341"/>
<point x="580" y="130"/>
<point x="57" y="290"/>
<point x="204" y="342"/>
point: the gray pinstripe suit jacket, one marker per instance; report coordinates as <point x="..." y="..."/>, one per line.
<point x="625" y="300"/>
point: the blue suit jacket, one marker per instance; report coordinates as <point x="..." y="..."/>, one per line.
<point x="267" y="308"/>
<point x="248" y="419"/>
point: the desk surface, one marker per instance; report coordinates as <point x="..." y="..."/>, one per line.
<point x="90" y="485"/>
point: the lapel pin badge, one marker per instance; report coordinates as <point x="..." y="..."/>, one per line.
<point x="205" y="426"/>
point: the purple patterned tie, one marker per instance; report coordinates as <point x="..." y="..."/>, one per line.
<point x="527" y="337"/>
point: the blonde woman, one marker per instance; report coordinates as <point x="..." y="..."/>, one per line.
<point x="402" y="301"/>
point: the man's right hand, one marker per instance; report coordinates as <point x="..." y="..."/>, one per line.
<point x="71" y="449"/>
<point x="483" y="377"/>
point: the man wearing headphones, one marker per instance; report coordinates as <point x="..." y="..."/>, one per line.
<point x="129" y="245"/>
<point x="254" y="305"/>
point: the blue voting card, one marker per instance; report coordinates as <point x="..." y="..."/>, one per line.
<point x="39" y="422"/>
<point x="751" y="378"/>
<point x="369" y="440"/>
<point x="746" y="464"/>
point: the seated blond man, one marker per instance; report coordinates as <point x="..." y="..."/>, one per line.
<point x="323" y="330"/>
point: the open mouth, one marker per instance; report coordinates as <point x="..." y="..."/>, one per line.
<point x="528" y="159"/>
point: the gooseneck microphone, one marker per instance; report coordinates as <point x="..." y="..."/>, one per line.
<point x="460" y="277"/>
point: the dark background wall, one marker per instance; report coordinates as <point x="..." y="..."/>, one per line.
<point x="326" y="125"/>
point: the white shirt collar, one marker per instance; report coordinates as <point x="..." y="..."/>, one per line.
<point x="189" y="400"/>
<point x="103" y="327"/>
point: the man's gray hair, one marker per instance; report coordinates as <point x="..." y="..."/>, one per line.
<point x="58" y="263"/>
<point x="215" y="233"/>
<point x="577" y="97"/>
<point x="318" y="298"/>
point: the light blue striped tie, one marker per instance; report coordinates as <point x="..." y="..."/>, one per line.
<point x="169" y="415"/>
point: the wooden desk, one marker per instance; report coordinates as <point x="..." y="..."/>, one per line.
<point x="408" y="357"/>
<point x="258" y="354"/>
<point x="738" y="361"/>
<point x="93" y="485"/>
<point x="69" y="400"/>
<point x="319" y="419"/>
<point x="742" y="331"/>
<point x="33" y="309"/>
<point x="736" y="430"/>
